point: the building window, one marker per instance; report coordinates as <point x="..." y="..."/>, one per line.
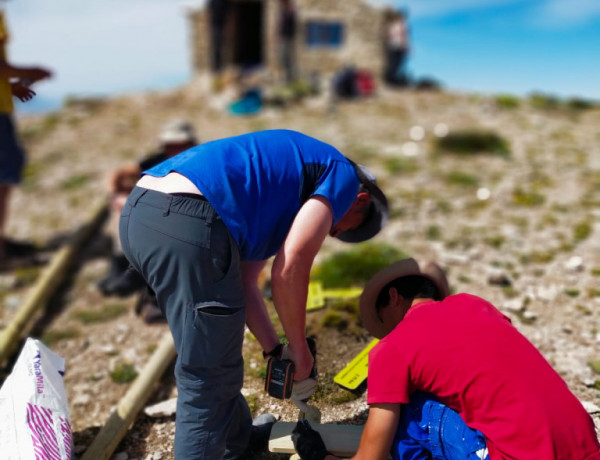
<point x="324" y="34"/>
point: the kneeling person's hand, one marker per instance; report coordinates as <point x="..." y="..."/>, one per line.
<point x="308" y="442"/>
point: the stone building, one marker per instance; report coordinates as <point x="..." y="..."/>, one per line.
<point x="330" y="34"/>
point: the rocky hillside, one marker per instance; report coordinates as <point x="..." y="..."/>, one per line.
<point x="517" y="223"/>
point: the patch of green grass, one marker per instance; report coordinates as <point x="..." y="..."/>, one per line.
<point x="123" y="373"/>
<point x="583" y="309"/>
<point x="462" y="179"/>
<point x="355" y="266"/>
<point x="344" y="305"/>
<point x="572" y="292"/>
<point x="537" y="257"/>
<point x="464" y="279"/>
<point x="51" y="337"/>
<point x="75" y="182"/>
<point x="521" y="197"/>
<point x="25" y="276"/>
<point x="595" y="271"/>
<point x="399" y="165"/>
<point x="476" y="205"/>
<point x="524" y="319"/>
<point x="335" y="320"/>
<point x="510" y="292"/>
<point x="507" y="101"/>
<point x="582" y="231"/>
<point x="473" y="142"/>
<point x="544" y="101"/>
<point x="102" y="314"/>
<point x="433" y="232"/>
<point x="577" y="103"/>
<point x="328" y="391"/>
<point x="31" y="175"/>
<point x="550" y="220"/>
<point x="593" y="292"/>
<point x="253" y="403"/>
<point x="397" y="212"/>
<point x="594" y="365"/>
<point x="496" y="241"/>
<point x="444" y="206"/>
<point x="520" y="222"/>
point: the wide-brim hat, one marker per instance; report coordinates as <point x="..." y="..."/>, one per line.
<point x="405" y="267"/>
<point x="378" y="213"/>
<point x="177" y="132"/>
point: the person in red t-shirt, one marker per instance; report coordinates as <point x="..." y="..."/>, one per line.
<point x="452" y="378"/>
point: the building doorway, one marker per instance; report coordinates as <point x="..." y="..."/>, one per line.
<point x="247" y="36"/>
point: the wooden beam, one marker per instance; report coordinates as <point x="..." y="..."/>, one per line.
<point x="136" y="397"/>
<point x="49" y="280"/>
<point x="340" y="440"/>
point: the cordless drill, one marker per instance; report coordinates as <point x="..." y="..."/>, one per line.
<point x="280" y="372"/>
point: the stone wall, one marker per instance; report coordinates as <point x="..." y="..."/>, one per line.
<point x="361" y="45"/>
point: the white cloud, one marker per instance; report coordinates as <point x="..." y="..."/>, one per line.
<point x="568" y="13"/>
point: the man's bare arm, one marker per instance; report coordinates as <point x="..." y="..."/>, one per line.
<point x="257" y="317"/>
<point x="290" y="276"/>
<point x="31" y="74"/>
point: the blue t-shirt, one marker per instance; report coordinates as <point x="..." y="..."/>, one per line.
<point x="257" y="183"/>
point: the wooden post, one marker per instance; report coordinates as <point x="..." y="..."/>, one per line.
<point x="340" y="440"/>
<point x="49" y="280"/>
<point x="134" y="400"/>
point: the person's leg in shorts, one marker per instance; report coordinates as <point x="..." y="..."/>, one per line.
<point x="429" y="429"/>
<point x="187" y="256"/>
<point x="12" y="161"/>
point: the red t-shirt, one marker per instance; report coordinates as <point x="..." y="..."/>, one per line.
<point x="468" y="355"/>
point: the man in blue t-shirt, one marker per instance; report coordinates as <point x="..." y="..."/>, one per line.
<point x="201" y="226"/>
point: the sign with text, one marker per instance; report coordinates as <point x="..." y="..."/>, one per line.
<point x="356" y="371"/>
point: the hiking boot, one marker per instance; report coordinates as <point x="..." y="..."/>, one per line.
<point x="125" y="284"/>
<point x="13" y="248"/>
<point x="259" y="435"/>
<point x="118" y="266"/>
<point x="147" y="307"/>
<point x="18" y="254"/>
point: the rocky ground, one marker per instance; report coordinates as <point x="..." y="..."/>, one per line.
<point x="521" y="230"/>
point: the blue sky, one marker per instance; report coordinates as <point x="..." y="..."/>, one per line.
<point x="105" y="47"/>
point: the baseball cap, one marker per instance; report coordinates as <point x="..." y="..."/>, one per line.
<point x="177" y="132"/>
<point x="378" y="213"/>
<point x="404" y="267"/>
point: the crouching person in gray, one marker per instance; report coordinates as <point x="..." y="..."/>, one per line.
<point x="200" y="227"/>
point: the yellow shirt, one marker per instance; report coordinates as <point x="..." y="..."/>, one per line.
<point x="6" y="102"/>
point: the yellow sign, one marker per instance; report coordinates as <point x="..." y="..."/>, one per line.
<point x="348" y="293"/>
<point x="356" y="371"/>
<point x="315" y="298"/>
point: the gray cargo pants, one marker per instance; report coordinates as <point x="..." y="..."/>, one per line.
<point x="187" y="255"/>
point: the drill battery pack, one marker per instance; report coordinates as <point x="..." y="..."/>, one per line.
<point x="280" y="378"/>
<point x="280" y="372"/>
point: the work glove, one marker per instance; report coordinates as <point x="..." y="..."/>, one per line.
<point x="308" y="442"/>
<point x="304" y="389"/>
